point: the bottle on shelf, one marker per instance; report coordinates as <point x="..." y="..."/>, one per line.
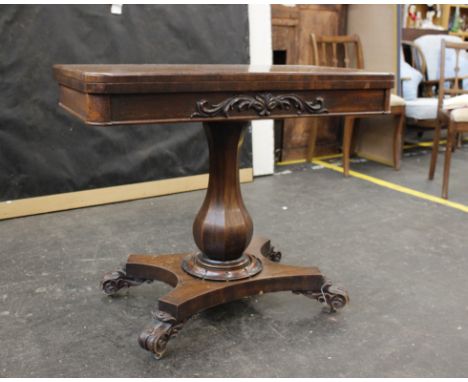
<point x="456" y="20"/>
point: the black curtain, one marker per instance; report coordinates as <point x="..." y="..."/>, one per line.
<point x="44" y="150"/>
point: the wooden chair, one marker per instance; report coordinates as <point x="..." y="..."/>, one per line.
<point x="421" y="109"/>
<point x="415" y="57"/>
<point x="451" y="112"/>
<point x="346" y="51"/>
<point x="422" y="112"/>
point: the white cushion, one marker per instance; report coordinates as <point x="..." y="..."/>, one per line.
<point x="426" y="108"/>
<point x="458" y="106"/>
<point x="396" y="101"/>
<point x="456" y="102"/>
<point x="460" y="115"/>
<point x="410" y="86"/>
<point x="421" y="108"/>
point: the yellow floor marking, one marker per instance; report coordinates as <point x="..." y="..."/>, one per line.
<point x="395" y="187"/>
<point x="383" y="183"/>
<point x="288" y="162"/>
<point x="422" y="144"/>
<point x="333" y="156"/>
<point x="430" y="144"/>
<point x="324" y="157"/>
<point x="427" y="144"/>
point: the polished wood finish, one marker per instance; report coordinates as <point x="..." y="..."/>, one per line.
<point x="452" y="87"/>
<point x="346" y="51"/>
<point x="191" y="295"/>
<point x="223" y="228"/>
<point x="225" y="97"/>
<point x="120" y="79"/>
<point x="132" y="94"/>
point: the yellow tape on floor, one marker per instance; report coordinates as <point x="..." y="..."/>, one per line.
<point x="427" y="144"/>
<point x="383" y="183"/>
<point x="395" y="187"/>
<point x="324" y="157"/>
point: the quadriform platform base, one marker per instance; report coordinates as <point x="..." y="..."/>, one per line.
<point x="192" y="295"/>
<point x="230" y="264"/>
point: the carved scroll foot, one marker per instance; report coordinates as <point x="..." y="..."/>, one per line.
<point x="273" y="255"/>
<point x="112" y="282"/>
<point x="333" y="296"/>
<point x="192" y="294"/>
<point x="262" y="246"/>
<point x="155" y="337"/>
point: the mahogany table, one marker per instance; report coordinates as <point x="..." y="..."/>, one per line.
<point x="229" y="264"/>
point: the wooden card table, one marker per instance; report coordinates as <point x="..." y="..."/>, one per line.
<point x="229" y="264"/>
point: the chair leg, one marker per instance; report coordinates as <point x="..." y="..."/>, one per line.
<point x="435" y="151"/>
<point x="459" y="141"/>
<point x="451" y="141"/>
<point x="347" y="137"/>
<point x="312" y="141"/>
<point x="397" y="139"/>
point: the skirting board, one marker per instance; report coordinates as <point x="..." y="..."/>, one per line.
<point x="78" y="199"/>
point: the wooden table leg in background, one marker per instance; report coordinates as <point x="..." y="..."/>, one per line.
<point x="347" y="138"/>
<point x="229" y="266"/>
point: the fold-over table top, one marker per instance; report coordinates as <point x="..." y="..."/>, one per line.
<point x="115" y="94"/>
<point x="142" y="77"/>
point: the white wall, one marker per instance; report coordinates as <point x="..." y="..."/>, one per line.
<point x="261" y="53"/>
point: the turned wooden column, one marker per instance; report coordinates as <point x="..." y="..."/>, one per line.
<point x="223" y="228"/>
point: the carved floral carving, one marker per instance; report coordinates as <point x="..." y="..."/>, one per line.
<point x="263" y="104"/>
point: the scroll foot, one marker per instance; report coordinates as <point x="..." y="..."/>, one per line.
<point x="333" y="296"/>
<point x="273" y="255"/>
<point x="112" y="282"/>
<point x="156" y="336"/>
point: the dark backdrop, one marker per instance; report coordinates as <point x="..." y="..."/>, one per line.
<point x="43" y="150"/>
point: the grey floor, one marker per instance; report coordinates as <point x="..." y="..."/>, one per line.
<point x="404" y="261"/>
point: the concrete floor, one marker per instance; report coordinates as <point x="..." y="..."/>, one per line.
<point x="404" y="261"/>
<point x="415" y="169"/>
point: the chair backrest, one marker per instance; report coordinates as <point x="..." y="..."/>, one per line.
<point x="452" y="85"/>
<point x="429" y="46"/>
<point x="337" y="51"/>
<point x="414" y="56"/>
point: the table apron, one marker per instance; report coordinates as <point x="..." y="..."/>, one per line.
<point x="112" y="109"/>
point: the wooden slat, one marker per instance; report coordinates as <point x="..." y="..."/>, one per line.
<point x="347" y="60"/>
<point x="335" y="55"/>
